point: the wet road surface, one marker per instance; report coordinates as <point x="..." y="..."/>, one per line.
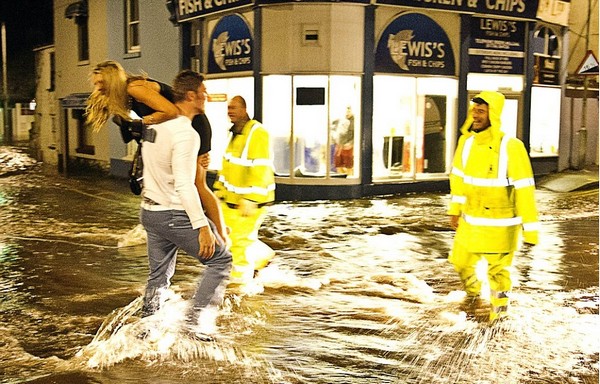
<point x="360" y="292"/>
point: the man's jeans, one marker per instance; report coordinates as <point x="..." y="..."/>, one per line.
<point x="167" y="232"/>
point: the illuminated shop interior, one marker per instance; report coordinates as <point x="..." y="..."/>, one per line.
<point x="414" y="126"/>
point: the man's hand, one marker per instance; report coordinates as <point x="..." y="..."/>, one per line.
<point x="207" y="240"/>
<point x="454" y="221"/>
<point x="247" y="207"/>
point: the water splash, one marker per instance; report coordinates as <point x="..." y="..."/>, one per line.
<point x="160" y="337"/>
<point x="135" y="236"/>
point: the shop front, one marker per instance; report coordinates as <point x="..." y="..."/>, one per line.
<point x="366" y="99"/>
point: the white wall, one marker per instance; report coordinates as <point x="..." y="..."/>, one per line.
<point x="340" y="38"/>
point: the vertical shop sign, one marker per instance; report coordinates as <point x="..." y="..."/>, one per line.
<point x="497" y="46"/>
<point x="414" y="44"/>
<point x="230" y="46"/>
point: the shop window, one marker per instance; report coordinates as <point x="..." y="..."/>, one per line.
<point x="132" y="15"/>
<point x="312" y="121"/>
<point x="545" y="121"/>
<point x="413" y="126"/>
<point x="545" y="94"/>
<point x="220" y="91"/>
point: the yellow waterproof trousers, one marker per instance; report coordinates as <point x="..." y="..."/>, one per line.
<point x="498" y="276"/>
<point x="249" y="254"/>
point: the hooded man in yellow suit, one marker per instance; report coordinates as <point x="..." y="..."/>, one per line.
<point x="492" y="201"/>
<point x="246" y="185"/>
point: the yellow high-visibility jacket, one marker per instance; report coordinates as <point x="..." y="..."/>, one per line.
<point x="247" y="170"/>
<point x="492" y="187"/>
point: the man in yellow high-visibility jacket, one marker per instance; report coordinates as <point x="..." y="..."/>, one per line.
<point x="492" y="201"/>
<point x="246" y="185"/>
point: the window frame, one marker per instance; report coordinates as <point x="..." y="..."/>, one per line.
<point x="83" y="40"/>
<point x="132" y="26"/>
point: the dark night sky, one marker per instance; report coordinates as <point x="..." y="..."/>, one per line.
<point x="28" y="25"/>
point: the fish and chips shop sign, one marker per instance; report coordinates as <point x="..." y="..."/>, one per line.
<point x="526" y="9"/>
<point x="414" y="44"/>
<point x="192" y="9"/>
<point x="230" y="46"/>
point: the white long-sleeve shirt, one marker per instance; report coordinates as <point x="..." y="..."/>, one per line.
<point x="170" y="170"/>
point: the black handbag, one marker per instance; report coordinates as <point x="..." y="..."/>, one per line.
<point x="136" y="172"/>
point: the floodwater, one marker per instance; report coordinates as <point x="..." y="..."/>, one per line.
<point x="360" y="292"/>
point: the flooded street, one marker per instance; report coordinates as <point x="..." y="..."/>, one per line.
<point x="360" y="292"/>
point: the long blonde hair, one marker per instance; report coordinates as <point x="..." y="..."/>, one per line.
<point x="113" y="99"/>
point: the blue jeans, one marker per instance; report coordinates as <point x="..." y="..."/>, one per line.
<point x="167" y="232"/>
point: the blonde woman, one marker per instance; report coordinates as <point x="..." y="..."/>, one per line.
<point x="117" y="92"/>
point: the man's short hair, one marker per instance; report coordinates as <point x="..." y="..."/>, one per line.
<point x="479" y="100"/>
<point x="186" y="81"/>
<point x="239" y="99"/>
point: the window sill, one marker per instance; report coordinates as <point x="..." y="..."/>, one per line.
<point x="132" y="55"/>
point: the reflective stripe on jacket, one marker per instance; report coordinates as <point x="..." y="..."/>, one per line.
<point x="492" y="187"/>
<point x="247" y="170"/>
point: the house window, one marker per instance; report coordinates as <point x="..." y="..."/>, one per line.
<point x="132" y="15"/>
<point x="78" y="11"/>
<point x="52" y="72"/>
<point x="83" y="39"/>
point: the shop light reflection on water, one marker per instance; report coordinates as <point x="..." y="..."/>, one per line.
<point x="361" y="292"/>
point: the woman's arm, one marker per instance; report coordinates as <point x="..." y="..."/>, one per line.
<point x="148" y="92"/>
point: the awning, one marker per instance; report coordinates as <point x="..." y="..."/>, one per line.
<point x="75" y="101"/>
<point x="77" y="9"/>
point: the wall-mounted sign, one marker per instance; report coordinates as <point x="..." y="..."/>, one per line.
<point x="191" y="9"/>
<point x="497" y="46"/>
<point x="526" y="9"/>
<point x="230" y="46"/>
<point x="414" y="44"/>
<point x="546" y="70"/>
